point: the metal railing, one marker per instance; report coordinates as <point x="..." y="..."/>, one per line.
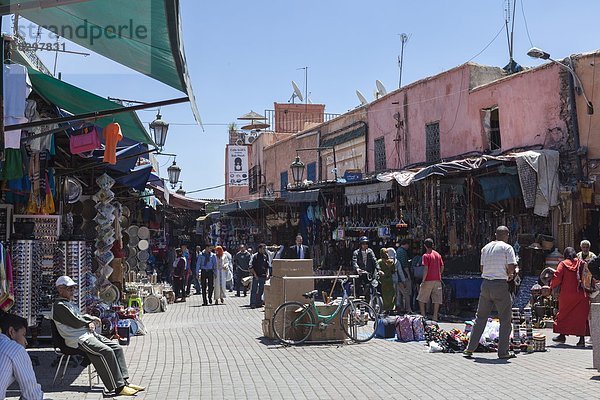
<point x="293" y="121"/>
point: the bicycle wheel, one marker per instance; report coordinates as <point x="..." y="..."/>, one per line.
<point x="292" y="323"/>
<point x="359" y="321"/>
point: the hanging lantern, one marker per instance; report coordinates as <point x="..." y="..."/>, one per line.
<point x="159" y="129"/>
<point x="180" y="191"/>
<point x="173" y="171"/>
<point x="297" y="168"/>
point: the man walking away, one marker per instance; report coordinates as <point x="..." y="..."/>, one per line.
<point x="259" y="267"/>
<point x="179" y="276"/>
<point x="194" y="269"/>
<point x="207" y="264"/>
<point x="498" y="264"/>
<point x="241" y="264"/>
<point x="431" y="288"/>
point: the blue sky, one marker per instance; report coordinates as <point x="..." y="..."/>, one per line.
<point x="242" y="56"/>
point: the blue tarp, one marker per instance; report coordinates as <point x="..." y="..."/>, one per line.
<point x="500" y="188"/>
<point x="137" y="178"/>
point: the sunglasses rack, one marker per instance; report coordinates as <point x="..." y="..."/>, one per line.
<point x="46" y="232"/>
<point x="26" y="263"/>
<point x="6" y="212"/>
<point x="70" y="258"/>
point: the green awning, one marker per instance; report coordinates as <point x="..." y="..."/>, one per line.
<point x="144" y="35"/>
<point x="78" y="101"/>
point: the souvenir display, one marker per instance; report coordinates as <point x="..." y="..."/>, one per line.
<point x="26" y="262"/>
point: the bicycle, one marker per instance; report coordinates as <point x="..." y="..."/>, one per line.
<point x="293" y="321"/>
<point x="375" y="299"/>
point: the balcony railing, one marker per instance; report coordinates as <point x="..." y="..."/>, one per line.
<point x="293" y="121"/>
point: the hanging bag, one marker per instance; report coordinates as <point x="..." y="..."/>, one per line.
<point x="86" y="140"/>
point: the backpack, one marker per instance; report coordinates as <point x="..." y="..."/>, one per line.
<point x="417" y="268"/>
<point x="404" y="329"/>
<point x="386" y="328"/>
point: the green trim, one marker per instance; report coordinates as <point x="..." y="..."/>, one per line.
<point x="78" y="101"/>
<point x="346" y="137"/>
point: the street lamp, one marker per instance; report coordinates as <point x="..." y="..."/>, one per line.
<point x="534" y="52"/>
<point x="297" y="168"/>
<point x="159" y="129"/>
<point x="173" y="171"/>
<point x="180" y="191"/>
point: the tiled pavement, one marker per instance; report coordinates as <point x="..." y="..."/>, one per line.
<point x="217" y="352"/>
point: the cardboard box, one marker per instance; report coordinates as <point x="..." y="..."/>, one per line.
<point x="266" y="328"/>
<point x="294" y="289"/>
<point x="269" y="311"/>
<point x="333" y="332"/>
<point x="283" y="268"/>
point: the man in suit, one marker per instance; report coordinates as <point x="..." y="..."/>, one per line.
<point x="299" y="251"/>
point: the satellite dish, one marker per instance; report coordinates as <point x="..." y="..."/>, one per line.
<point x="362" y="98"/>
<point x="297" y="92"/>
<point x="380" y="88"/>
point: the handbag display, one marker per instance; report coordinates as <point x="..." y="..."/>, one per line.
<point x="86" y="140"/>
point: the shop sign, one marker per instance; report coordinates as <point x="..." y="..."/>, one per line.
<point x="351" y="176"/>
<point x="238" y="165"/>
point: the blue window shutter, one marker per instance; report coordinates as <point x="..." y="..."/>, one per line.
<point x="284" y="183"/>
<point x="311" y="172"/>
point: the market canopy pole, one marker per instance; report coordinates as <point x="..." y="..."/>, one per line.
<point x="97" y="114"/>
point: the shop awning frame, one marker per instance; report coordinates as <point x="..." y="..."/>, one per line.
<point x="157" y="53"/>
<point x="304" y="196"/>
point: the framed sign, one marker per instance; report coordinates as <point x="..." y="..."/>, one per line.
<point x="237" y="158"/>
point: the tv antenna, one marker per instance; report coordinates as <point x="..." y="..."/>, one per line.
<point x="297" y="93"/>
<point x="305" y="84"/>
<point x="381" y="91"/>
<point x="362" y="98"/>
<point x="403" y="39"/>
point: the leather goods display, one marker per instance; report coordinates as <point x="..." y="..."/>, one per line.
<point x="85" y="141"/>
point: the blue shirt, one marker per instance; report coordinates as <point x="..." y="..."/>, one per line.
<point x="207" y="262"/>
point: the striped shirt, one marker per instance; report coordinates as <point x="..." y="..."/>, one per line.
<point x="495" y="256"/>
<point x="15" y="364"/>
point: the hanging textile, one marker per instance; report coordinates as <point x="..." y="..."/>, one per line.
<point x="7" y="290"/>
<point x="373" y="193"/>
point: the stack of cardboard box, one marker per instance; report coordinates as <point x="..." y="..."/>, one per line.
<point x="278" y="292"/>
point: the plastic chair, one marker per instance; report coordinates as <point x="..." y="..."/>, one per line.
<point x="62" y="350"/>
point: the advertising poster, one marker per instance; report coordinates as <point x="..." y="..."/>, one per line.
<point x="238" y="166"/>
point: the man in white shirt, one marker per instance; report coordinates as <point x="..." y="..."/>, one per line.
<point x="15" y="363"/>
<point x="498" y="262"/>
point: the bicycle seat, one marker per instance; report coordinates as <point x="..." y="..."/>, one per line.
<point x="311" y="294"/>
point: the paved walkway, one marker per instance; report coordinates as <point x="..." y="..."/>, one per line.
<point x="217" y="352"/>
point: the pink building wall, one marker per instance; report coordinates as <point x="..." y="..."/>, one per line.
<point x="529" y="105"/>
<point x="279" y="156"/>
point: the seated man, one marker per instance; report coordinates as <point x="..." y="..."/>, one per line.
<point x="15" y="363"/>
<point x="79" y="332"/>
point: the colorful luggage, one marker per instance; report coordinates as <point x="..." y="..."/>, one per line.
<point x="404" y="329"/>
<point x="386" y="328"/>
<point x="418" y="327"/>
